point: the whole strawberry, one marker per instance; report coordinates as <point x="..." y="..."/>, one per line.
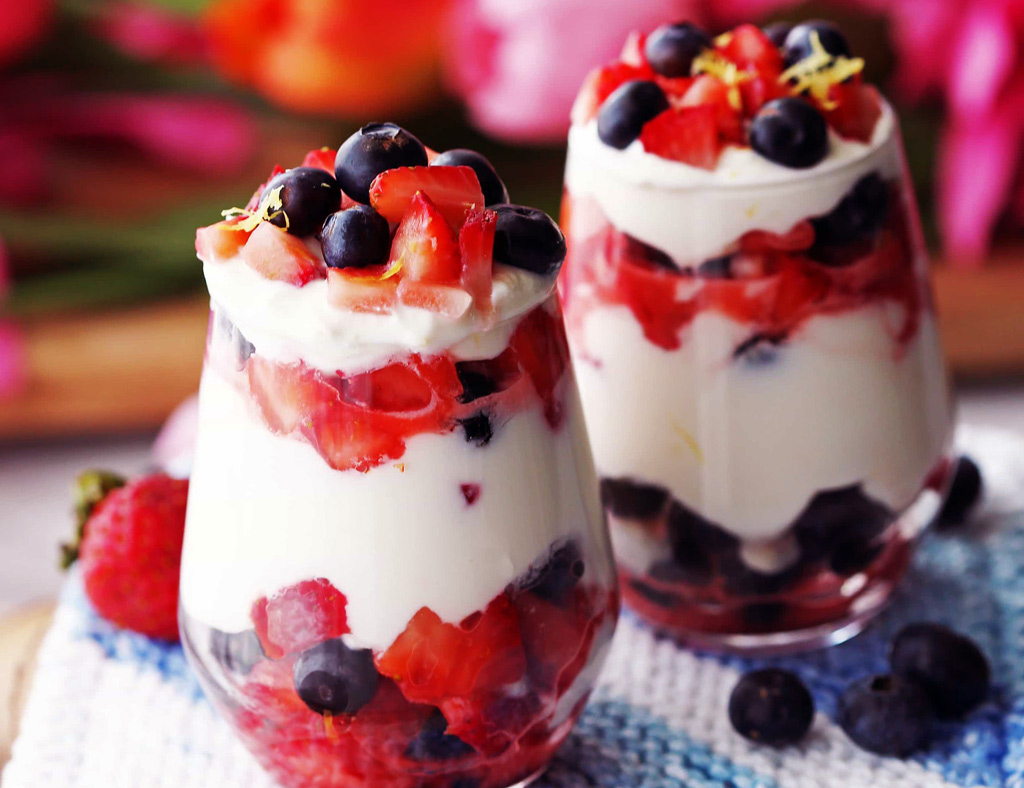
<point x="129" y="549"/>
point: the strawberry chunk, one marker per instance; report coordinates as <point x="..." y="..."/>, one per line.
<point x="362" y="289"/>
<point x="286" y="393"/>
<point x="453" y="190"/>
<point x="322" y="158"/>
<point x="351" y="439"/>
<point x="299" y="616"/>
<point x="542" y="353"/>
<point x="447" y="300"/>
<point x="859" y="109"/>
<point x="758" y="91"/>
<point x="220" y="241"/>
<point x="476" y="248"/>
<point x="710" y="91"/>
<point x="424" y="244"/>
<point x="280" y="256"/>
<point x="599" y="84"/>
<point x="750" y="49"/>
<point x="633" y="50"/>
<point x="689" y="135"/>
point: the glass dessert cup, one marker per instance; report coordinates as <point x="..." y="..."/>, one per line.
<point x="765" y="394"/>
<point x="398" y="576"/>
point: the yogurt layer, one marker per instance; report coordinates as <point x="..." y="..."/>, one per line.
<point x="266" y="512"/>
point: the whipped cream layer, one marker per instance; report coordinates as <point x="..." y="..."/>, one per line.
<point x="288" y="323"/>
<point x="747" y="442"/>
<point x="694" y="214"/>
<point x="266" y="511"/>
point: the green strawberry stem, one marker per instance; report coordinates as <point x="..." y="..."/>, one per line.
<point x="89" y="489"/>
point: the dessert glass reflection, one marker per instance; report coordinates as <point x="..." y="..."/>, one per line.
<point x="748" y="307"/>
<point x="396" y="570"/>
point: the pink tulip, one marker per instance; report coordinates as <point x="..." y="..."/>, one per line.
<point x="23" y="24"/>
<point x="152" y="34"/>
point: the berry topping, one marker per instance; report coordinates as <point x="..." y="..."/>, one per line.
<point x="837" y="519"/>
<point x="376" y="147"/>
<point x="555" y="579"/>
<point x="688" y="134"/>
<point x="859" y="216"/>
<point x="332" y="678"/>
<point x="454" y="190"/>
<point x="527" y="238"/>
<point x="790" y="132"/>
<point x="799" y="43"/>
<point x="886" y="714"/>
<point x="777" y="32"/>
<point x="299" y="616"/>
<point x="355" y="238"/>
<point x="771" y="706"/>
<point x="624" y="113"/>
<point x="670" y="49"/>
<point x="963" y="495"/>
<point x="493" y="189"/>
<point x="237" y="652"/>
<point x="425" y="246"/>
<point x="308" y="195"/>
<point x="626" y="498"/>
<point x="281" y="256"/>
<point x="950" y="667"/>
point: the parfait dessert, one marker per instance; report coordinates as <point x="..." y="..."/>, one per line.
<point x="396" y="571"/>
<point x="749" y="311"/>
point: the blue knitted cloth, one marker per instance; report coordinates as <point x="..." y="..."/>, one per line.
<point x="109" y="708"/>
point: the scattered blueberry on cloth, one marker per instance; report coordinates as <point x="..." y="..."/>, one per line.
<point x="113" y="709"/>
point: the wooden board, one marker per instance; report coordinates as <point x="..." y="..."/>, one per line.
<point x="21" y="632"/>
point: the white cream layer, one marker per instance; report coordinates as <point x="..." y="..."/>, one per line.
<point x="748" y="443"/>
<point x="266" y="511"/>
<point x="287" y="323"/>
<point x="694" y="214"/>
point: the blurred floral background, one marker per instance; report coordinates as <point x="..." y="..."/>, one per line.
<point x="124" y="124"/>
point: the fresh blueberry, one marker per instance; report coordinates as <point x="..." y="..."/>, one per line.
<point x="688" y="533"/>
<point x="242" y="348"/>
<point x="771" y="706"/>
<point x="758" y="349"/>
<point x="743" y="580"/>
<point x="237" y="652"/>
<point x="434" y="743"/>
<point x="858" y="217"/>
<point x="475" y="382"/>
<point x="670" y="49"/>
<point x="355" y="238"/>
<point x="886" y="714"/>
<point x="964" y="493"/>
<point x="716" y="267"/>
<point x="798" y="41"/>
<point x="331" y="677"/>
<point x="527" y="238"/>
<point x="308" y="196"/>
<point x="950" y="667"/>
<point x="624" y="245"/>
<point x="790" y="132"/>
<point x="633" y="500"/>
<point x="839" y="518"/>
<point x="624" y="113"/>
<point x="777" y="33"/>
<point x="556" y="577"/>
<point x="478" y="429"/>
<point x="852" y="557"/>
<point x="490" y="184"/>
<point x="376" y="147"/>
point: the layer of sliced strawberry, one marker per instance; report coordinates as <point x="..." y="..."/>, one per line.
<point x="362" y="289"/>
<point x="349" y="439"/>
<point x="299" y="616"/>
<point x="454" y="190"/>
<point x="424" y="244"/>
<point x="688" y="135"/>
<point x="221" y="240"/>
<point x="280" y="256"/>
<point x="286" y="394"/>
<point x="542" y="351"/>
<point x="450" y="301"/>
<point x="476" y="250"/>
<point x="798" y="239"/>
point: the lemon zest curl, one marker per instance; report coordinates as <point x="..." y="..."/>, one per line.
<point x="269" y="208"/>
<point x="710" y="62"/>
<point x="819" y="71"/>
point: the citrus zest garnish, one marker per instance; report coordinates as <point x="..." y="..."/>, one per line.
<point x="329" y="728"/>
<point x="819" y="71"/>
<point x="723" y="39"/>
<point x="270" y="208"/>
<point x="394" y="269"/>
<point x="710" y="62"/>
<point x="688" y="439"/>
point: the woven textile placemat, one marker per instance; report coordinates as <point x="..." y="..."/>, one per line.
<point x="109" y="709"/>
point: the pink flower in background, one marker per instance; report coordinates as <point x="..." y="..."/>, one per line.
<point x="175" y="445"/>
<point x="151" y="34"/>
<point x="23" y="23"/>
<point x="12" y="359"/>
<point x="518" y="65"/>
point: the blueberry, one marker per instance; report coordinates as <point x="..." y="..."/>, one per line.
<point x="490" y="184"/>
<point x="777" y="33"/>
<point x="858" y="217"/>
<point x="744" y="580"/>
<point x="758" y="349"/>
<point x="556" y="577"/>
<point x="839" y="518"/>
<point x="625" y="245"/>
<point x="527" y="238"/>
<point x="376" y="147"/>
<point x="950" y="667"/>
<point x="716" y="267"/>
<point x="771" y="706"/>
<point x="477" y="429"/>
<point x="790" y="132"/>
<point x="331" y="677"/>
<point x="692" y="569"/>
<point x="689" y="533"/>
<point x="852" y="557"/>
<point x="242" y="348"/>
<point x="308" y="196"/>
<point x="237" y="652"/>
<point x="475" y="382"/>
<point x="634" y="500"/>
<point x="434" y="743"/>
<point x="964" y="493"/>
<point x="355" y="238"/>
<point x="624" y="113"/>
<point x="670" y="49"/>
<point x="798" y="41"/>
<point x="886" y="714"/>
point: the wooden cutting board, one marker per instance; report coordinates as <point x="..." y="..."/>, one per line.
<point x="21" y="632"/>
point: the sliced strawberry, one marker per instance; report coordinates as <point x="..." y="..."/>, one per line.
<point x="799" y="238"/>
<point x="350" y="439"/>
<point x="299" y="616"/>
<point x="454" y="190"/>
<point x="599" y="84"/>
<point x="633" y="50"/>
<point x="749" y="48"/>
<point x="689" y="135"/>
<point x="860" y="107"/>
<point x="476" y="248"/>
<point x="362" y="289"/>
<point x="675" y="87"/>
<point x="450" y="301"/>
<point x="542" y="353"/>
<point x="286" y="394"/>
<point x="322" y="158"/>
<point x="710" y="91"/>
<point x="758" y="91"/>
<point x="280" y="256"/>
<point x="424" y="244"/>
<point x="396" y="388"/>
<point x="220" y="241"/>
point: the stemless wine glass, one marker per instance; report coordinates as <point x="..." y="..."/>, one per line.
<point x="763" y="383"/>
<point x="396" y="570"/>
